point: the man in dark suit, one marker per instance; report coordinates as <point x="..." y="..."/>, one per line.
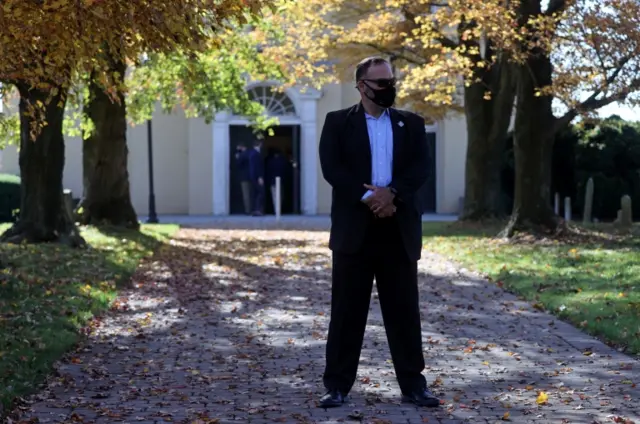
<point x="256" y="173"/>
<point x="375" y="159"/>
<point x="242" y="161"/>
<point x="276" y="167"/>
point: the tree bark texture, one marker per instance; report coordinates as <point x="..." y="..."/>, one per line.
<point x="107" y="197"/>
<point x="533" y="144"/>
<point x="44" y="216"/>
<point x="487" y="127"/>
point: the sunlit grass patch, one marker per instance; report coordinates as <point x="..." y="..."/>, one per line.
<point x="48" y="292"/>
<point x="595" y="285"/>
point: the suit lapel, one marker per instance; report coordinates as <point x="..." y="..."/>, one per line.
<point x="358" y="123"/>
<point x="398" y="127"/>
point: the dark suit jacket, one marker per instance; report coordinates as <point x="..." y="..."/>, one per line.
<point x="276" y="167"/>
<point x="242" y="160"/>
<point x="345" y="159"/>
<point x="256" y="165"/>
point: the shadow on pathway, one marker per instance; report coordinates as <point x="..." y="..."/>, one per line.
<point x="229" y="326"/>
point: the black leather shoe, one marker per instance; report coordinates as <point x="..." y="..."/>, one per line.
<point x="421" y="397"/>
<point x="332" y="399"/>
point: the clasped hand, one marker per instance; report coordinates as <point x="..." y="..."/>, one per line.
<point x="381" y="201"/>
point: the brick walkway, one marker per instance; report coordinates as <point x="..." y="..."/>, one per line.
<point x="229" y="326"/>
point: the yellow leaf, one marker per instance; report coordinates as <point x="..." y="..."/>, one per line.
<point x="542" y="398"/>
<point x="506" y="416"/>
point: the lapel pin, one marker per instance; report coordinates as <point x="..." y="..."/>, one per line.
<point x="401" y="124"/>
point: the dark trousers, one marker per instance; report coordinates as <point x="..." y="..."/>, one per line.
<point x="258" y="197"/>
<point x="384" y="257"/>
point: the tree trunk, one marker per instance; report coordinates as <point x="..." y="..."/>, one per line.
<point x="44" y="216"/>
<point x="107" y="198"/>
<point x="533" y="150"/>
<point x="487" y="127"/>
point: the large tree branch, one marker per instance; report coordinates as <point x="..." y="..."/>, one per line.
<point x="447" y="42"/>
<point x="596" y="46"/>
<point x="593" y="103"/>
<point x="398" y="54"/>
<point x="594" y="96"/>
<point x="442" y="39"/>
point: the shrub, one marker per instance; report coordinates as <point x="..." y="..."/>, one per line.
<point x="9" y="197"/>
<point x="607" y="151"/>
<point x="610" y="153"/>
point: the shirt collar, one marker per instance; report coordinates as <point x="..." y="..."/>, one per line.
<point x="384" y="114"/>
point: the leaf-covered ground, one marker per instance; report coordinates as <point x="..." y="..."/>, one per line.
<point x="49" y="292"/>
<point x="591" y="279"/>
<point x="226" y="326"/>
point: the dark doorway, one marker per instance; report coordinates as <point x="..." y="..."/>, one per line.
<point x="427" y="192"/>
<point x="285" y="141"/>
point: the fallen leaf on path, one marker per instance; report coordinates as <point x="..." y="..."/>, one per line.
<point x="542" y="398"/>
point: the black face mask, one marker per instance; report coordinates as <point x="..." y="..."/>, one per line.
<point x="383" y="97"/>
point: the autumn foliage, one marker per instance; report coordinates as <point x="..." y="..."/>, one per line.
<point x="437" y="48"/>
<point x="475" y="55"/>
<point x="47" y="45"/>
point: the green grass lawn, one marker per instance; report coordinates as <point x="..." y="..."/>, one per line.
<point x="593" y="284"/>
<point x="49" y="292"/>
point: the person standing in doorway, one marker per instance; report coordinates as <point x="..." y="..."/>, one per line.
<point x="242" y="162"/>
<point x="276" y="167"/>
<point x="375" y="159"/>
<point x="256" y="173"/>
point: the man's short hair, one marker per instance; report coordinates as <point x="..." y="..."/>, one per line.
<point x="363" y="66"/>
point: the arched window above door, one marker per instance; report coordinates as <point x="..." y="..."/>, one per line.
<point x="276" y="103"/>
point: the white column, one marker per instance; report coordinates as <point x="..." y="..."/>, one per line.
<point x="278" y="201"/>
<point x="309" y="155"/>
<point x="221" y="164"/>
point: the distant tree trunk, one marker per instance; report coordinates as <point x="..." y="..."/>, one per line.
<point x="44" y="215"/>
<point x="487" y="126"/>
<point x="533" y="143"/>
<point x="107" y="198"/>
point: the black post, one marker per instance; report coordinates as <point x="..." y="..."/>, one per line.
<point x="153" y="217"/>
